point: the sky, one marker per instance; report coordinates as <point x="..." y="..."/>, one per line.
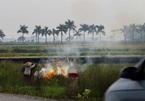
<point x="113" y="14"/>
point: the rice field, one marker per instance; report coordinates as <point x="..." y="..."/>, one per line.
<point x="71" y="50"/>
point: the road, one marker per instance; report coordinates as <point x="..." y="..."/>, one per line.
<point x="14" y="97"/>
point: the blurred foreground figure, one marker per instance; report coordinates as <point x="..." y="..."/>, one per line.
<point x="131" y="85"/>
<point x="27" y="69"/>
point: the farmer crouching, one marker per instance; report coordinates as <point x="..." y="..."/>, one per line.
<point x="27" y="69"/>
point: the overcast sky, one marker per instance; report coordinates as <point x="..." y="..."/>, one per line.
<point x="112" y="14"/>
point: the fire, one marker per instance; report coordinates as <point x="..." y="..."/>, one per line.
<point x="53" y="69"/>
<point x="49" y="75"/>
<point x="57" y="71"/>
<point x="64" y="71"/>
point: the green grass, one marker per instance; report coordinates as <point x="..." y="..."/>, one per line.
<point x="96" y="77"/>
<point x="11" y="81"/>
<point x="82" y="49"/>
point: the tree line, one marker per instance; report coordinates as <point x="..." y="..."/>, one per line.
<point x="132" y="32"/>
<point x="67" y="28"/>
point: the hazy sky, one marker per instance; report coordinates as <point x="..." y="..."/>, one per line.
<point x="112" y="14"/>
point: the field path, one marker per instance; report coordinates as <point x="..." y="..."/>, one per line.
<point x="14" y="97"/>
<point x="84" y="59"/>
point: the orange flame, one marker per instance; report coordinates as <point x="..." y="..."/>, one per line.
<point x="54" y="72"/>
<point x="49" y="75"/>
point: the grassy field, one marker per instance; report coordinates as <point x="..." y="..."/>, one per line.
<point x="12" y="81"/>
<point x="72" y="49"/>
<point x="96" y="77"/>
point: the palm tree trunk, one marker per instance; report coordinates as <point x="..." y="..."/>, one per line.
<point x="23" y="37"/>
<point x="61" y="37"/>
<point x="46" y="39"/>
<point x="77" y="38"/>
<point x="38" y="38"/>
<point x="92" y="36"/>
<point x="84" y="36"/>
<point x="100" y="36"/>
<point x="141" y="36"/>
<point x="125" y="39"/>
<point x="54" y="38"/>
<point x="133" y="35"/>
<point x="69" y="35"/>
<point x="144" y="37"/>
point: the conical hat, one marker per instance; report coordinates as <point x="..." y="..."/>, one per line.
<point x="28" y="64"/>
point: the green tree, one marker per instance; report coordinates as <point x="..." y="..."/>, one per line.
<point x="45" y="31"/>
<point x="70" y="26"/>
<point x="91" y="30"/>
<point x="100" y="30"/>
<point x="61" y="29"/>
<point x="23" y="30"/>
<point x="125" y="31"/>
<point x="2" y="35"/>
<point x="37" y="31"/>
<point x="143" y="28"/>
<point x="133" y="29"/>
<point x="84" y="28"/>
<point x="77" y="35"/>
<point x="140" y="30"/>
<point x="54" y="32"/>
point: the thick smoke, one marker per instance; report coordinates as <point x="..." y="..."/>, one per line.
<point x="69" y="55"/>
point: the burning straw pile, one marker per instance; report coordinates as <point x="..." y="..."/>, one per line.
<point x="60" y="69"/>
<point x="55" y="68"/>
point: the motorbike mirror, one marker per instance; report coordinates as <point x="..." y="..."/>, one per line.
<point x="128" y="72"/>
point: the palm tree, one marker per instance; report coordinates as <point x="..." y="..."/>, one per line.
<point x="62" y="29"/>
<point x="70" y="26"/>
<point x="45" y="32"/>
<point x="84" y="28"/>
<point x="77" y="34"/>
<point x="133" y="29"/>
<point x="23" y="30"/>
<point x="54" y="32"/>
<point x="100" y="30"/>
<point x="143" y="28"/>
<point x="139" y="29"/>
<point x="37" y="31"/>
<point x="125" y="31"/>
<point x="2" y="35"/>
<point x="91" y="30"/>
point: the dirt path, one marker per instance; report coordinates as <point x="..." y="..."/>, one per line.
<point x="14" y="97"/>
<point x="83" y="59"/>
